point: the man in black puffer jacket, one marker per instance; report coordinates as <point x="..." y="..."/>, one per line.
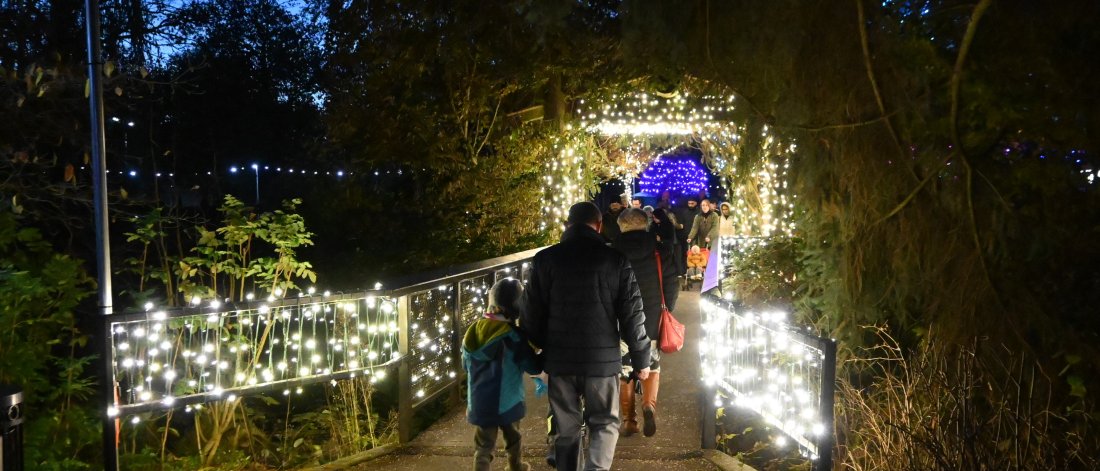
<point x="583" y="299"/>
<point x="641" y="248"/>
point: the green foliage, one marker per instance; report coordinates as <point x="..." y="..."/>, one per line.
<point x="224" y="262"/>
<point x="39" y="291"/>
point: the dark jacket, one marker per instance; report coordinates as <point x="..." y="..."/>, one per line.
<point x="583" y="298"/>
<point x="686" y="216"/>
<point x="639" y="247"/>
<point x="495" y="356"/>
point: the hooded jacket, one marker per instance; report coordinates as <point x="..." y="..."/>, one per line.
<point x="495" y="356"/>
<point x="640" y="248"/>
<point x="583" y="298"/>
<point x="725" y="223"/>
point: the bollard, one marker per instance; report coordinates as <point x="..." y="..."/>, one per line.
<point x="11" y="428"/>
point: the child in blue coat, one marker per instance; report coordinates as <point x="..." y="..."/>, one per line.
<point x="496" y="355"/>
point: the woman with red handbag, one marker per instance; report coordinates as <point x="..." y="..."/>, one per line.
<point x="658" y="286"/>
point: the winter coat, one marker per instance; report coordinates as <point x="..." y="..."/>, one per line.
<point x="698" y="259"/>
<point x="726" y="227"/>
<point x="639" y="248"/>
<point x="686" y="216"/>
<point x="583" y="298"/>
<point x="495" y="356"/>
<point x="705" y="226"/>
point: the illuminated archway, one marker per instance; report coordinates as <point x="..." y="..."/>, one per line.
<point x="620" y="137"/>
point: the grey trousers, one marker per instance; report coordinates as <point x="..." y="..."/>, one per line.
<point x="485" y="442"/>
<point x="600" y="413"/>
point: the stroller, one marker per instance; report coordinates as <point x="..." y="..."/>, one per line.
<point x="696" y="266"/>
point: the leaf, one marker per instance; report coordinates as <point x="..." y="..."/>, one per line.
<point x="70" y="173"/>
<point x="87" y="88"/>
<point x="109" y="68"/>
<point x="87" y="158"/>
<point x="298" y="442"/>
<point x="122" y="193"/>
<point x="144" y="72"/>
<point x="118" y="91"/>
<point x="1076" y="385"/>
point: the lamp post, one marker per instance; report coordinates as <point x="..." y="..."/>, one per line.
<point x="103" y="243"/>
<point x="256" y="168"/>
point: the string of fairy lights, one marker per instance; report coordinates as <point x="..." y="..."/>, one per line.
<point x="211" y="351"/>
<point x="650" y="126"/>
<point x="757" y="361"/>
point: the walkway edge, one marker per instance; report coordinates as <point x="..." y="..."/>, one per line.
<point x="726" y="462"/>
<point x="348" y="462"/>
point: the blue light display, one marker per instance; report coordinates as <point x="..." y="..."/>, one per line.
<point x="679" y="176"/>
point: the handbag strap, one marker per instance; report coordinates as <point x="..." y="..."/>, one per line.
<point x="660" y="278"/>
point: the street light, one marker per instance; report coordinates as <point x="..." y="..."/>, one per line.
<point x="257" y="169"/>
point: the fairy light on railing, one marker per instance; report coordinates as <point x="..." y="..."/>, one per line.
<point x="431" y="350"/>
<point x="162" y="359"/>
<point x="757" y="361"/>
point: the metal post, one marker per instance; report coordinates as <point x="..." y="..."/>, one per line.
<point x="457" y="333"/>
<point x="828" y="388"/>
<point x="709" y="439"/>
<point x="404" y="374"/>
<point x="103" y="240"/>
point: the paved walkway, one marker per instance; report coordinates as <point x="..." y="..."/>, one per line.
<point x="448" y="444"/>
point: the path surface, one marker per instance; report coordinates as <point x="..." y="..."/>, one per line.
<point x="448" y="444"/>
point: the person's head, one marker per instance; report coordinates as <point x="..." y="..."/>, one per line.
<point x="647" y="208"/>
<point x="726" y="208"/>
<point x="636" y="203"/>
<point x="616" y="206"/>
<point x="664" y="204"/>
<point x="692" y="203"/>
<point x="660" y="216"/>
<point x="695" y="249"/>
<point x="705" y="205"/>
<point x="633" y="219"/>
<point x="666" y="195"/>
<point x="507" y="298"/>
<point x="585" y="213"/>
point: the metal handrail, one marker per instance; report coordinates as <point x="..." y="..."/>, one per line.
<point x="756" y="360"/>
<point x="183" y="357"/>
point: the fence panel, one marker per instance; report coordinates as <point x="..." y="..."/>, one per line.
<point x="756" y="360"/>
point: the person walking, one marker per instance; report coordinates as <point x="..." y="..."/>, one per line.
<point x="610" y="230"/>
<point x="657" y="282"/>
<point x="666" y="227"/>
<point x="686" y="216"/>
<point x="704" y="231"/>
<point x="726" y="228"/>
<point x="495" y="355"/>
<point x="582" y="301"/>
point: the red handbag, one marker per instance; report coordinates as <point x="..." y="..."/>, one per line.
<point x="671" y="331"/>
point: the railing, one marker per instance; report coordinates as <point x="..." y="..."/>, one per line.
<point x="162" y="359"/>
<point x="754" y="359"/>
